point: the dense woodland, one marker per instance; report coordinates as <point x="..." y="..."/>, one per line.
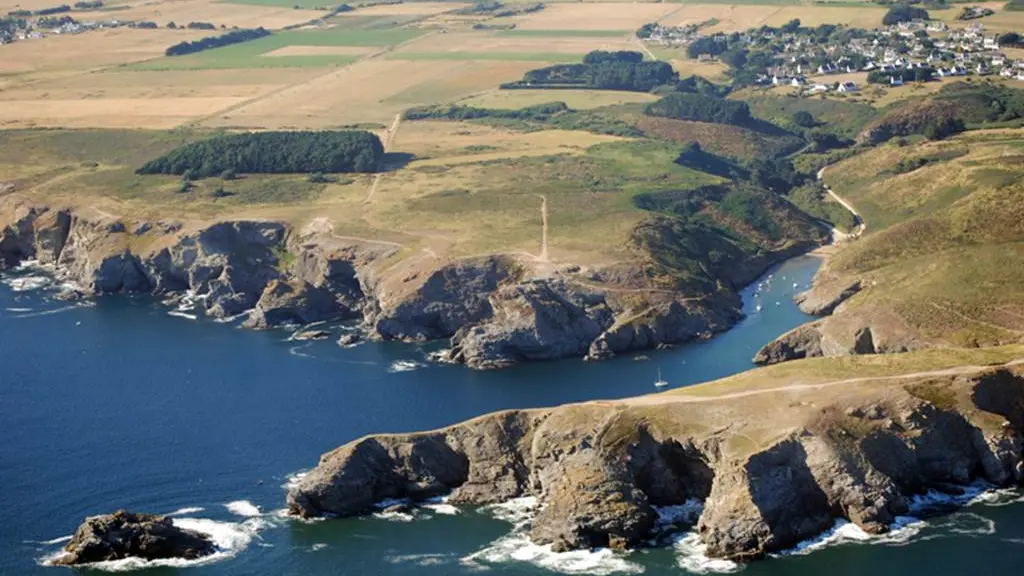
<point x="624" y="70"/>
<point x="700" y="108"/>
<point x="904" y="13"/>
<point x="273" y="153"/>
<point x="233" y="37"/>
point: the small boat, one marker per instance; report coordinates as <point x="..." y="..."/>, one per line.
<point x="660" y="383"/>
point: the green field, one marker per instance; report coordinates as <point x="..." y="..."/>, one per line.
<point x="252" y="54"/>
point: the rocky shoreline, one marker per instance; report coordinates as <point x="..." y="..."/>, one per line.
<point x="767" y="482"/>
<point x="497" y="310"/>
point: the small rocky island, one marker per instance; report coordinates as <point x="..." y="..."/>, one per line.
<point x="132" y="535"/>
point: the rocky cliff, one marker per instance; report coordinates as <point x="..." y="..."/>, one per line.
<point x="498" y="310"/>
<point x="767" y="480"/>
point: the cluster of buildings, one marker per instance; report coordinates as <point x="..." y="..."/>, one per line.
<point x="56" y="25"/>
<point x="910" y="51"/>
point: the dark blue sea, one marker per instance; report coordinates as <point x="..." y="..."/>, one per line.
<point x="119" y="404"/>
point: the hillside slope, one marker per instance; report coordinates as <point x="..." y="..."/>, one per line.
<point x="940" y="265"/>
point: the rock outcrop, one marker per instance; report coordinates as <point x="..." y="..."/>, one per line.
<point x="129" y="535"/>
<point x="823" y="298"/>
<point x="768" y="479"/>
<point x="498" y="310"/>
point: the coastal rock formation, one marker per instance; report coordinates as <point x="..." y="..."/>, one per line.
<point x="131" y="535"/>
<point x="497" y="309"/>
<point x="823" y="298"/>
<point x="865" y="332"/>
<point x="768" y="480"/>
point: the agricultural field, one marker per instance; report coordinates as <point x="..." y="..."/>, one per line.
<point x="737" y="16"/>
<point x="596" y="16"/>
<point x="576" y="99"/>
<point x="387" y="88"/>
<point x="227" y="13"/>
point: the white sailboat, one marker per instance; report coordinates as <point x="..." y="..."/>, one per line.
<point x="660" y="383"/>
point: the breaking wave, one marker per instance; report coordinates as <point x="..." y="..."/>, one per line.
<point x="516" y="546"/>
<point x="405" y="366"/>
<point x="229" y="538"/>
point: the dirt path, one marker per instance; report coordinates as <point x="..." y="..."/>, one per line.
<point x="658" y="399"/>
<point x="389" y="138"/>
<point x="837" y="234"/>
<point x="543" y="229"/>
<point x="967" y="318"/>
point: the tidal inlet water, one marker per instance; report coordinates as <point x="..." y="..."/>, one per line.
<point x="124" y="403"/>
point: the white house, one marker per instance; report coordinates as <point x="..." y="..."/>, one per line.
<point x="847" y="87"/>
<point x="895" y="81"/>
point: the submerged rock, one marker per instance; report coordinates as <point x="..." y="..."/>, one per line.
<point x="132" y="535"/>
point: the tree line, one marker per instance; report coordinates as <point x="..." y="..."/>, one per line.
<point x="601" y="70"/>
<point x="904" y="13"/>
<point x="233" y="37"/>
<point x="700" y="108"/>
<point x="273" y="153"/>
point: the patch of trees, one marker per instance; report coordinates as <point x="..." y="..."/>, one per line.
<point x="700" y="108"/>
<point x="700" y="85"/>
<point x="551" y="114"/>
<point x="623" y="70"/>
<point x="51" y="22"/>
<point x="53" y="10"/>
<point x="497" y="9"/>
<point x="1011" y="39"/>
<point x="904" y="13"/>
<point x="233" y="37"/>
<point x="19" y="13"/>
<point x="1015" y="5"/>
<point x="273" y="153"/>
<point x="146" y="24"/>
<point x="924" y="74"/>
<point x="539" y="112"/>
<point x="201" y="26"/>
<point x="90" y="5"/>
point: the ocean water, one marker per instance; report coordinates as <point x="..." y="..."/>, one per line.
<point x="126" y="403"/>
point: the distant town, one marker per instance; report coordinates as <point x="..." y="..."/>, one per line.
<point x="915" y="50"/>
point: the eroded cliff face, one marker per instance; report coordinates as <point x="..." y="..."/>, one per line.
<point x="842" y="331"/>
<point x="498" y="310"/>
<point x="768" y="481"/>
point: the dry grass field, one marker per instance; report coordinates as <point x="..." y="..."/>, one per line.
<point x="83" y="52"/>
<point x="213" y="11"/>
<point x="467" y="45"/>
<point x="407" y="8"/>
<point x="137" y="99"/>
<point x="385" y="88"/>
<point x="597" y="16"/>
<point x="733" y="18"/>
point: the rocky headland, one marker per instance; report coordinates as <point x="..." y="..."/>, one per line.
<point x="858" y="449"/>
<point x="130" y="535"/>
<point x="497" y="310"/>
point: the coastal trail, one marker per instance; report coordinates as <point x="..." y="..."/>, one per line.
<point x="389" y="138"/>
<point x="861" y="224"/>
<point x="674" y="397"/>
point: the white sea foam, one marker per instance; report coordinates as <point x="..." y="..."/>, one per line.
<point x="692" y="556"/>
<point x="60" y="310"/>
<point x="228" y="538"/>
<point x="317" y="546"/>
<point x="516" y="546"/>
<point x="405" y="366"/>
<point x="297" y="351"/>
<point x="421" y="559"/>
<point x="186" y="511"/>
<point x="18" y="310"/>
<point x="27" y="283"/>
<point x="292" y="480"/>
<point x="243" y="508"/>
<point x="180" y="314"/>
<point x="440" y="505"/>
<point x="53" y="542"/>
